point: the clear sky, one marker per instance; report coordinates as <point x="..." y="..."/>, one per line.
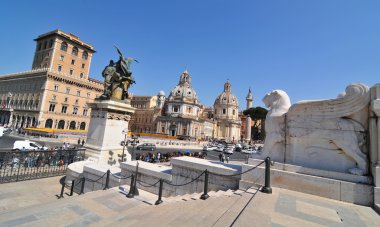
<point x="310" y="49"/>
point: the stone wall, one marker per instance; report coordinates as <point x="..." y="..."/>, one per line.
<point x="184" y="170"/>
<point x="357" y="193"/>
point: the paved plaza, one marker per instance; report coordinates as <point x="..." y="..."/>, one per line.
<point x="34" y="203"/>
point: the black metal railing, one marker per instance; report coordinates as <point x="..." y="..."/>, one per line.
<point x="27" y="165"/>
<point x="133" y="185"/>
<point x="134" y="181"/>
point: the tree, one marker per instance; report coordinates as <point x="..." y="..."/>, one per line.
<point x="258" y="115"/>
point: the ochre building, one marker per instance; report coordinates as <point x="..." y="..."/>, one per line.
<point x="55" y="93"/>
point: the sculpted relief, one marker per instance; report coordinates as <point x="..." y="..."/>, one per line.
<point x="322" y="134"/>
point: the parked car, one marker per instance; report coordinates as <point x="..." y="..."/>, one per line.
<point x="249" y="151"/>
<point x="220" y="148"/>
<point x="146" y="147"/>
<point x="228" y="150"/>
<point x="209" y="148"/>
<point x="20" y="145"/>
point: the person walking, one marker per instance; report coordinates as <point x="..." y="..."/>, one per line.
<point x="223" y="158"/>
<point x="228" y="158"/>
<point x="83" y="142"/>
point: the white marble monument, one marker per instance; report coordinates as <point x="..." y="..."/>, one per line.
<point x="324" y="134"/>
<point x="108" y="120"/>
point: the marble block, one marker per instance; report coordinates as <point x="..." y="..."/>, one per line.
<point x="108" y="120"/>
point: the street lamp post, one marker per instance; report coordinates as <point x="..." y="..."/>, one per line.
<point x="125" y="132"/>
<point x="133" y="151"/>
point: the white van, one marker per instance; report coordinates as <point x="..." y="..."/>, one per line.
<point x="27" y="145"/>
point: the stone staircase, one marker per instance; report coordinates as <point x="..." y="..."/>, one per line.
<point x="111" y="207"/>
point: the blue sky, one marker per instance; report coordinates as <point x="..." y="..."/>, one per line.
<point x="310" y="49"/>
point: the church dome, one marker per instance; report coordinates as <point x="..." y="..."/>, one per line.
<point x="226" y="97"/>
<point x="161" y="93"/>
<point x="184" y="91"/>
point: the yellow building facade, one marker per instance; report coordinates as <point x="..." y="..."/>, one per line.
<point x="55" y="93"/>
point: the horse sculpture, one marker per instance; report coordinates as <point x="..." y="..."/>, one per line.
<point x="325" y="129"/>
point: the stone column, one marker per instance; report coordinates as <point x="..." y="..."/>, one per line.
<point x="248" y="121"/>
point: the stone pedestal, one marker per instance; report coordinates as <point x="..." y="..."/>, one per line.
<point x="108" y="120"/>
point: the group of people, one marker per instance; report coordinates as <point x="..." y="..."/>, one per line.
<point x="224" y="158"/>
<point x="158" y="157"/>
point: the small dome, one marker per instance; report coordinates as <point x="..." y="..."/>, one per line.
<point x="226" y="97"/>
<point x="184" y="90"/>
<point x="161" y="93"/>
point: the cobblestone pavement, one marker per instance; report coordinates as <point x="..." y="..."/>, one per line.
<point x="34" y="203"/>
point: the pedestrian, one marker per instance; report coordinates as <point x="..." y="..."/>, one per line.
<point x="228" y="158"/>
<point x="64" y="146"/>
<point x="220" y="157"/>
<point x="78" y="142"/>
<point x="83" y="142"/>
<point x="223" y="158"/>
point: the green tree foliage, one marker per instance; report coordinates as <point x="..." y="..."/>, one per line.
<point x="257" y="114"/>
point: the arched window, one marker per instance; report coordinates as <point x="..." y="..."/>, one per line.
<point x="85" y="55"/>
<point x="64" y="46"/>
<point x="82" y="126"/>
<point x="72" y="125"/>
<point x="49" y="123"/>
<point x="75" y="51"/>
<point x="61" y="124"/>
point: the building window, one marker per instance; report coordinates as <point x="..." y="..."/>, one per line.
<point x="59" y="68"/>
<point x="72" y="125"/>
<point x="88" y="95"/>
<point x="64" y="109"/>
<point x="82" y="126"/>
<point x="66" y="99"/>
<point x="224" y="111"/>
<point x="54" y="97"/>
<point x="68" y="90"/>
<point x="39" y="48"/>
<point x="233" y="112"/>
<point x="85" y="112"/>
<point x="76" y="101"/>
<point x="51" y="107"/>
<point x="78" y="93"/>
<point x="216" y="111"/>
<point x="64" y="46"/>
<point x="51" y="43"/>
<point x="45" y="44"/>
<point x="56" y="87"/>
<point x="36" y="104"/>
<point x="71" y="72"/>
<point x="175" y="109"/>
<point x="73" y="62"/>
<point x="163" y="130"/>
<point x="75" y="110"/>
<point x="49" y="123"/>
<point x="84" y="55"/>
<point x="75" y="51"/>
<point x="61" y="57"/>
<point x="83" y="66"/>
<point x="61" y="124"/>
<point x="81" y="75"/>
